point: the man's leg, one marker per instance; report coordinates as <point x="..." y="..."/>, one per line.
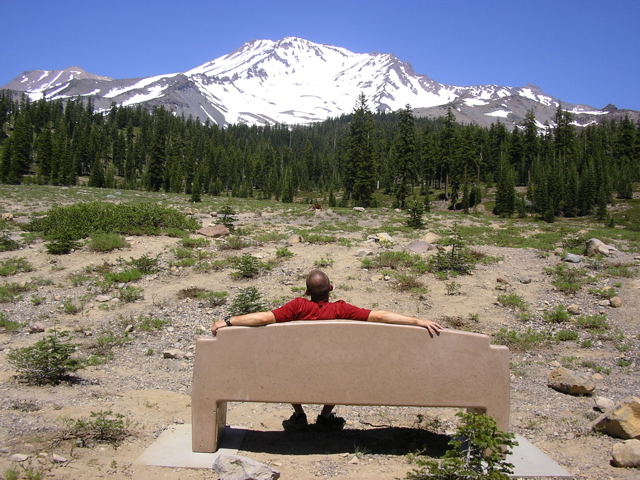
<point x="328" y="420"/>
<point x="297" y="421"/>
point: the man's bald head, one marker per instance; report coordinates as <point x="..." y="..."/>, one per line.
<point x="318" y="286"/>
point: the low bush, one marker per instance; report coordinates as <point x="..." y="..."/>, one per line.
<point x="248" y="300"/>
<point x="106" y="242"/>
<point x="49" y="361"/>
<point x="521" y="341"/>
<point x="478" y="451"/>
<point x="558" y="314"/>
<point x="103" y="427"/>
<point x="11" y="266"/>
<point x="6" y="324"/>
<point x="74" y="222"/>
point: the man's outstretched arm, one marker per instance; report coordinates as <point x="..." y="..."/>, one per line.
<point x="384" y="316"/>
<point x="249" y="320"/>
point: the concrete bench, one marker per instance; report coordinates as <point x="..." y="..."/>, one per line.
<point x="342" y="362"/>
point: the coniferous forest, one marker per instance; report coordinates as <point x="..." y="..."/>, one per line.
<point x="564" y="170"/>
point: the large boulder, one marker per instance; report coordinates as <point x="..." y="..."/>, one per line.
<point x="622" y="421"/>
<point x="595" y="247"/>
<point x="627" y="454"/>
<point x="236" y="467"/>
<point x="214" y="231"/>
<point x="566" y="381"/>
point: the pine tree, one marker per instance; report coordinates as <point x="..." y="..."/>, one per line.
<point x="405" y="150"/>
<point x="360" y="171"/>
<point x="505" y="192"/>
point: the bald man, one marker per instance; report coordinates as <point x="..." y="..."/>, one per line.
<point x="318" y="307"/>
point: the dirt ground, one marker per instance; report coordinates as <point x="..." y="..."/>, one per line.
<point x="153" y="392"/>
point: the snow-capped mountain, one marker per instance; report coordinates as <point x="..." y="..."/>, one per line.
<point x="294" y="81"/>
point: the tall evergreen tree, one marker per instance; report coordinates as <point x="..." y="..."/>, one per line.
<point x="360" y="169"/>
<point x="405" y="151"/>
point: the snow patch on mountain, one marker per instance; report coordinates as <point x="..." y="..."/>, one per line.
<point x="295" y="81"/>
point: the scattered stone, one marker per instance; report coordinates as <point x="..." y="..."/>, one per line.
<point x="566" y="381"/>
<point x="103" y="298"/>
<point x="295" y="238"/>
<point x="526" y="280"/>
<point x="18" y="457"/>
<point x="377" y="278"/>
<point x="604" y="404"/>
<point x="363" y="252"/>
<point x="354" y="461"/>
<point x="598" y="247"/>
<point x="7" y="216"/>
<point x="358" y="209"/>
<point x="128" y="329"/>
<point x="36" y="327"/>
<point x="431" y="237"/>
<point x="55" y="458"/>
<point x="573" y="309"/>
<point x="627" y="454"/>
<point x="173" y="353"/>
<point x="622" y="421"/>
<point x="214" y="231"/>
<point x="572" y="258"/>
<point x="559" y="251"/>
<point x="604" y="303"/>
<point x="502" y="280"/>
<point x="381" y="237"/>
<point x="419" y="246"/>
<point x="615" y="302"/>
<point x="236" y="467"/>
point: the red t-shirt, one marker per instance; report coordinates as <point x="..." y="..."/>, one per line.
<point x="303" y="309"/>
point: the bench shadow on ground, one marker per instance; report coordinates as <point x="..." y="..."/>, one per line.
<point x="377" y="441"/>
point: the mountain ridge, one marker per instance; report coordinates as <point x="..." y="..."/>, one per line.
<point x="296" y="81"/>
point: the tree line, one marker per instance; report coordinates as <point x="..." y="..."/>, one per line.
<point x="566" y="170"/>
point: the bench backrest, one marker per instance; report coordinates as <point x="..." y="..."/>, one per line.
<point x="341" y="362"/>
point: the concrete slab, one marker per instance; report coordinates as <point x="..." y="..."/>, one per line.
<point x="173" y="449"/>
<point x="529" y="461"/>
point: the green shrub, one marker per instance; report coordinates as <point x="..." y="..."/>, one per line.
<point x="189" y="242"/>
<point x="62" y="246"/>
<point x="247" y="266"/>
<point x="214" y="299"/>
<point x="6" y="324"/>
<point x="284" y="252"/>
<point x="11" y="266"/>
<point x="10" y="291"/>
<point x="71" y="307"/>
<point x="524" y="341"/>
<point x="234" y="242"/>
<point x="7" y="243"/>
<point x="106" y="242"/>
<point x="151" y="324"/>
<point x="558" y="314"/>
<point x="566" y="335"/>
<point x="478" y="452"/>
<point x="75" y="222"/>
<point x="415" y="212"/>
<point x="407" y="281"/>
<point x="126" y="276"/>
<point x="568" y="279"/>
<point x="101" y="427"/>
<point x="48" y="361"/>
<point x="146" y="263"/>
<point x="248" y="300"/>
<point x="596" y="323"/>
<point x="129" y="294"/>
<point x="512" y="300"/>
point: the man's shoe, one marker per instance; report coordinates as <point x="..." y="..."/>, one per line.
<point x="330" y="423"/>
<point x="296" y="422"/>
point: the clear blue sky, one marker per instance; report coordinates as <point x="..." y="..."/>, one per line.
<point x="580" y="51"/>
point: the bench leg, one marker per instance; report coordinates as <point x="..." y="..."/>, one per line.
<point x="208" y="427"/>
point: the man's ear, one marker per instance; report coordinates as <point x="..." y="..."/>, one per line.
<point x="306" y="292"/>
<point x="331" y="287"/>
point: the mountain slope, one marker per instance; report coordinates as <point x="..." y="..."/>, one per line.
<point x="294" y="81"/>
